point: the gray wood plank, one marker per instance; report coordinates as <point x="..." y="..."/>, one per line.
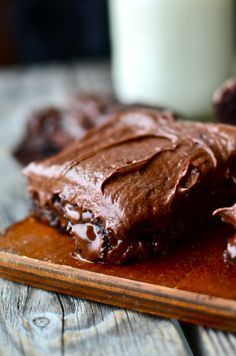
<point x="210" y="342"/>
<point x="114" y="331"/>
<point x="32" y="321"/>
<point x="214" y="342"/>
<point x="14" y="203"/>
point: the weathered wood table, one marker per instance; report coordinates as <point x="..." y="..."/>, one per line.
<point x="35" y="322"/>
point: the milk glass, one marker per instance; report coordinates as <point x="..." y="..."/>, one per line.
<point x="171" y="52"/>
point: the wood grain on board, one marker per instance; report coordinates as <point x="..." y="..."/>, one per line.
<point x="192" y="283"/>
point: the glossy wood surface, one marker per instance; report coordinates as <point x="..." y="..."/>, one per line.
<point x="191" y="283"/>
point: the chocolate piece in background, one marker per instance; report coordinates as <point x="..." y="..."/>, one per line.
<point x="92" y="105"/>
<point x="51" y="129"/>
<point x="224" y="102"/>
<point x="228" y="216"/>
<point x="48" y="131"/>
<point x="134" y="185"/>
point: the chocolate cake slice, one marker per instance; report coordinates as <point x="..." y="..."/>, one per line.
<point x="51" y="129"/>
<point x="133" y="186"/>
<point x="48" y="131"/>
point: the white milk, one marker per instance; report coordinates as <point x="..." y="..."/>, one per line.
<point x="171" y="52"/>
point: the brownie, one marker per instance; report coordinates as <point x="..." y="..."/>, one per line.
<point x="94" y="106"/>
<point x="133" y="186"/>
<point x="48" y="131"/>
<point x="224" y="102"/>
<point x="51" y="129"/>
<point x="228" y="215"/>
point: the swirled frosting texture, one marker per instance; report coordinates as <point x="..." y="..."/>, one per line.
<point x="138" y="169"/>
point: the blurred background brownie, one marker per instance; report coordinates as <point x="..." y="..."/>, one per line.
<point x="48" y="131"/>
<point x="224" y="101"/>
<point x="93" y="106"/>
<point x="51" y="129"/>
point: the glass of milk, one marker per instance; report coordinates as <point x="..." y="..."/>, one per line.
<point x="172" y="53"/>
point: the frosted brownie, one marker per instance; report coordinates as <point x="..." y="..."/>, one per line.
<point x="133" y="186"/>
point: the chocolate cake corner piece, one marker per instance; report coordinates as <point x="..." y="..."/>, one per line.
<point x="131" y="187"/>
<point x="38" y="142"/>
<point x="93" y="104"/>
<point x="50" y="129"/>
<point x="224" y="102"/>
<point x="228" y="216"/>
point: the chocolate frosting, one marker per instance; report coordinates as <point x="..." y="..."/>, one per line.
<point x="132" y="172"/>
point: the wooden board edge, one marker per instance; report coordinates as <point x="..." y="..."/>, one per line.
<point x="126" y="293"/>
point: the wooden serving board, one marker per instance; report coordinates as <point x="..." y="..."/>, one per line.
<point x="192" y="283"/>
